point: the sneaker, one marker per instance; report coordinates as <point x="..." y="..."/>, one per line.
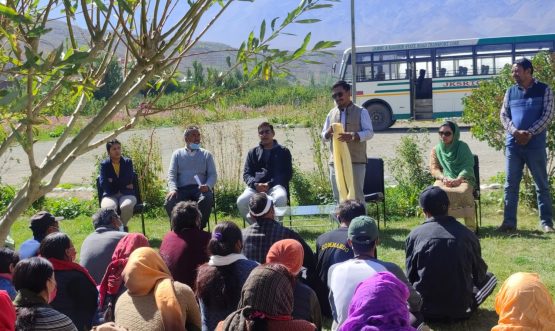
<point x="548" y="229"/>
<point x="506" y="228"/>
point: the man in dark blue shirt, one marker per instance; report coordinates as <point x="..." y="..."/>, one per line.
<point x="526" y="114"/>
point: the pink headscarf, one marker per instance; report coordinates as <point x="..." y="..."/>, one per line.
<point x="112" y="280"/>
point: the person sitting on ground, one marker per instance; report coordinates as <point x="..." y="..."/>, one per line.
<point x="98" y="247"/>
<point x="344" y="277"/>
<point x="524" y="303"/>
<point x="8" y="317"/>
<point x="116" y="179"/>
<point x="265" y="231"/>
<point x="452" y="165"/>
<point x="42" y="224"/>
<point x="183" y="249"/>
<point x="8" y="260"/>
<point x="268" y="169"/>
<point x="266" y="303"/>
<point x="332" y="248"/>
<point x="289" y="253"/>
<point x="76" y="296"/>
<point x="219" y="281"/>
<point x="34" y="281"/>
<point x="379" y="303"/>
<point x="153" y="300"/>
<point x="111" y="285"/>
<point x="443" y="251"/>
<point x="192" y="176"/>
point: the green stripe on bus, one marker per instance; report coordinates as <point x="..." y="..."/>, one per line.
<point x="402" y="116"/>
<point x="389" y="91"/>
<point x="447" y="114"/>
<point x="389" y="84"/>
<point x="519" y="39"/>
<point x="455" y="88"/>
<point x="459" y="80"/>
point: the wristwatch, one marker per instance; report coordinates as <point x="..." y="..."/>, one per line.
<point x="353" y="135"/>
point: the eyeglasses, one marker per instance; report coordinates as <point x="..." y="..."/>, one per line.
<point x="337" y="95"/>
<point x="263" y="132"/>
<point x="445" y="133"/>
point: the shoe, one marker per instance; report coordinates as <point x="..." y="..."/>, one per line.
<point x="505" y="228"/>
<point x="548" y="229"/>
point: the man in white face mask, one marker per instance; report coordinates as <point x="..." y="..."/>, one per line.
<point x="98" y="247"/>
<point x="192" y="176"/>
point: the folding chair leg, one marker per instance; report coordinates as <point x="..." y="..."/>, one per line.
<point x="143" y="223"/>
<point x="383" y="209"/>
<point x="480" y="204"/>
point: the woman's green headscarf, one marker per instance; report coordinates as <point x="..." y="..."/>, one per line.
<point x="456" y="159"/>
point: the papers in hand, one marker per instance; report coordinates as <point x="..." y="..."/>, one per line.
<point x="197" y="179"/>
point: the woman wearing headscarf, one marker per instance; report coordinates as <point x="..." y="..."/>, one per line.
<point x="379" y="304"/>
<point x="266" y="303"/>
<point x="153" y="300"/>
<point x="219" y="281"/>
<point x="110" y="288"/>
<point x="524" y="303"/>
<point x="77" y="295"/>
<point x="452" y="165"/>
<point x="290" y="254"/>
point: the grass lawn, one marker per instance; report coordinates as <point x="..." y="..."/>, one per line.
<point x="529" y="250"/>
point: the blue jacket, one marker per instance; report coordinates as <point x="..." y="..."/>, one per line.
<point x="112" y="184"/>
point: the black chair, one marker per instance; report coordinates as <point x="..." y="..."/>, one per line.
<point x="476" y="193"/>
<point x="139" y="206"/>
<point x="374" y="186"/>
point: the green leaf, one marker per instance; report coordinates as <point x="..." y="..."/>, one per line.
<point x="14" y="16"/>
<point x="262" y="29"/>
<point x="228" y="61"/>
<point x="77" y="57"/>
<point x="301" y="50"/>
<point x="324" y="45"/>
<point x="308" y="21"/>
<point x="38" y="31"/>
<point x="311" y="62"/>
<point x="320" y="6"/>
<point x="101" y="5"/>
<point x="273" y="23"/>
<point x="126" y="6"/>
<point x="8" y="97"/>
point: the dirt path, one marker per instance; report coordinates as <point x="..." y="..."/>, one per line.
<point x="231" y="137"/>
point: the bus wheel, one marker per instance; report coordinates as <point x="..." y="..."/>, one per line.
<point x="380" y="116"/>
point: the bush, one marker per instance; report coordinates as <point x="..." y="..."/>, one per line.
<point x="226" y="194"/>
<point x="69" y="207"/>
<point x="411" y="174"/>
<point x="7" y="194"/>
<point x="309" y="188"/>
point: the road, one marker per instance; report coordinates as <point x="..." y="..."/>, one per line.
<point x="230" y="141"/>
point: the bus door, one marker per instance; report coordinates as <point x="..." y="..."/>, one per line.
<point x="421" y="89"/>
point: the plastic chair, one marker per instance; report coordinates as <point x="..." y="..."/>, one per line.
<point x="374" y="186"/>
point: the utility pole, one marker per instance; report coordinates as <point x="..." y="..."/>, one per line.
<point x="353" y="53"/>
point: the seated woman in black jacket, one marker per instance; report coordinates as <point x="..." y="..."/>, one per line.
<point x="76" y="296"/>
<point x="116" y="180"/>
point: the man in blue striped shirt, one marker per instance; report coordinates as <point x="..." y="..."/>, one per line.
<point x="526" y="114"/>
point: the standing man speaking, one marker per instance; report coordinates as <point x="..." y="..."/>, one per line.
<point x="357" y="127"/>
<point x="526" y="114"/>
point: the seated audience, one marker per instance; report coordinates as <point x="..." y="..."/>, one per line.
<point x="192" y="176"/>
<point x="34" y="281"/>
<point x="268" y="169"/>
<point x="443" y="251"/>
<point x="97" y="248"/>
<point x="183" y="249"/>
<point x="116" y="180"/>
<point x="332" y="248"/>
<point x="111" y="285"/>
<point x="7" y="318"/>
<point x="42" y="224"/>
<point x="153" y="300"/>
<point x="452" y="165"/>
<point x="344" y="277"/>
<point x="76" y="295"/>
<point x="524" y="303"/>
<point x="266" y="303"/>
<point x="265" y="231"/>
<point x="289" y="253"/>
<point x="379" y="303"/>
<point x="8" y="260"/>
<point x="219" y="282"/>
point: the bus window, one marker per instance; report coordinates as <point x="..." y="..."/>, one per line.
<point x="494" y="49"/>
<point x="387" y="56"/>
<point x="454" y="51"/>
<point x="389" y="70"/>
<point x="420" y="53"/>
<point x="501" y="62"/>
<point x="364" y="57"/>
<point x="534" y="47"/>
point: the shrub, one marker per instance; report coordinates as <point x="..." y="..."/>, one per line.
<point x="69" y="207"/>
<point x="7" y="194"/>
<point x="309" y="188"/>
<point x="226" y="194"/>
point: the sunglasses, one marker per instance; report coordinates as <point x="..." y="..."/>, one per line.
<point x="263" y="132"/>
<point x="337" y="95"/>
<point x="445" y="133"/>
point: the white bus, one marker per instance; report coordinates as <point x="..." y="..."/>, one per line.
<point x="427" y="80"/>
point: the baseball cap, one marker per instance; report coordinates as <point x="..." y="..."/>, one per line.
<point x="363" y="230"/>
<point x="434" y="200"/>
<point x="42" y="220"/>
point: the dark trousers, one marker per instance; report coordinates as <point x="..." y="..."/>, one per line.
<point x="204" y="200"/>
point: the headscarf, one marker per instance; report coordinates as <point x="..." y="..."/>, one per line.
<point x="111" y="282"/>
<point x="379" y="304"/>
<point x="524" y="303"/>
<point x="267" y="294"/>
<point x="456" y="159"/>
<point x="287" y="252"/>
<point x="7" y="317"/>
<point x="146" y="272"/>
<point x="62" y="265"/>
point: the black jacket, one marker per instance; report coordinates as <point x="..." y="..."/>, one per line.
<point x="277" y="171"/>
<point x="444" y="262"/>
<point x="111" y="183"/>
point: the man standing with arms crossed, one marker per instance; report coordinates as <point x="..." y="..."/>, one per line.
<point x="357" y="125"/>
<point x="526" y="114"/>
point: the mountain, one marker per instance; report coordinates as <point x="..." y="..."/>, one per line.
<point x="210" y="54"/>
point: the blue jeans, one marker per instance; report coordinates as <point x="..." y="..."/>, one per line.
<point x="536" y="161"/>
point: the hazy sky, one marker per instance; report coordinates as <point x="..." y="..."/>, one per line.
<point x="392" y="21"/>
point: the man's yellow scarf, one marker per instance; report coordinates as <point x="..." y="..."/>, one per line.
<point x="343" y="166"/>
